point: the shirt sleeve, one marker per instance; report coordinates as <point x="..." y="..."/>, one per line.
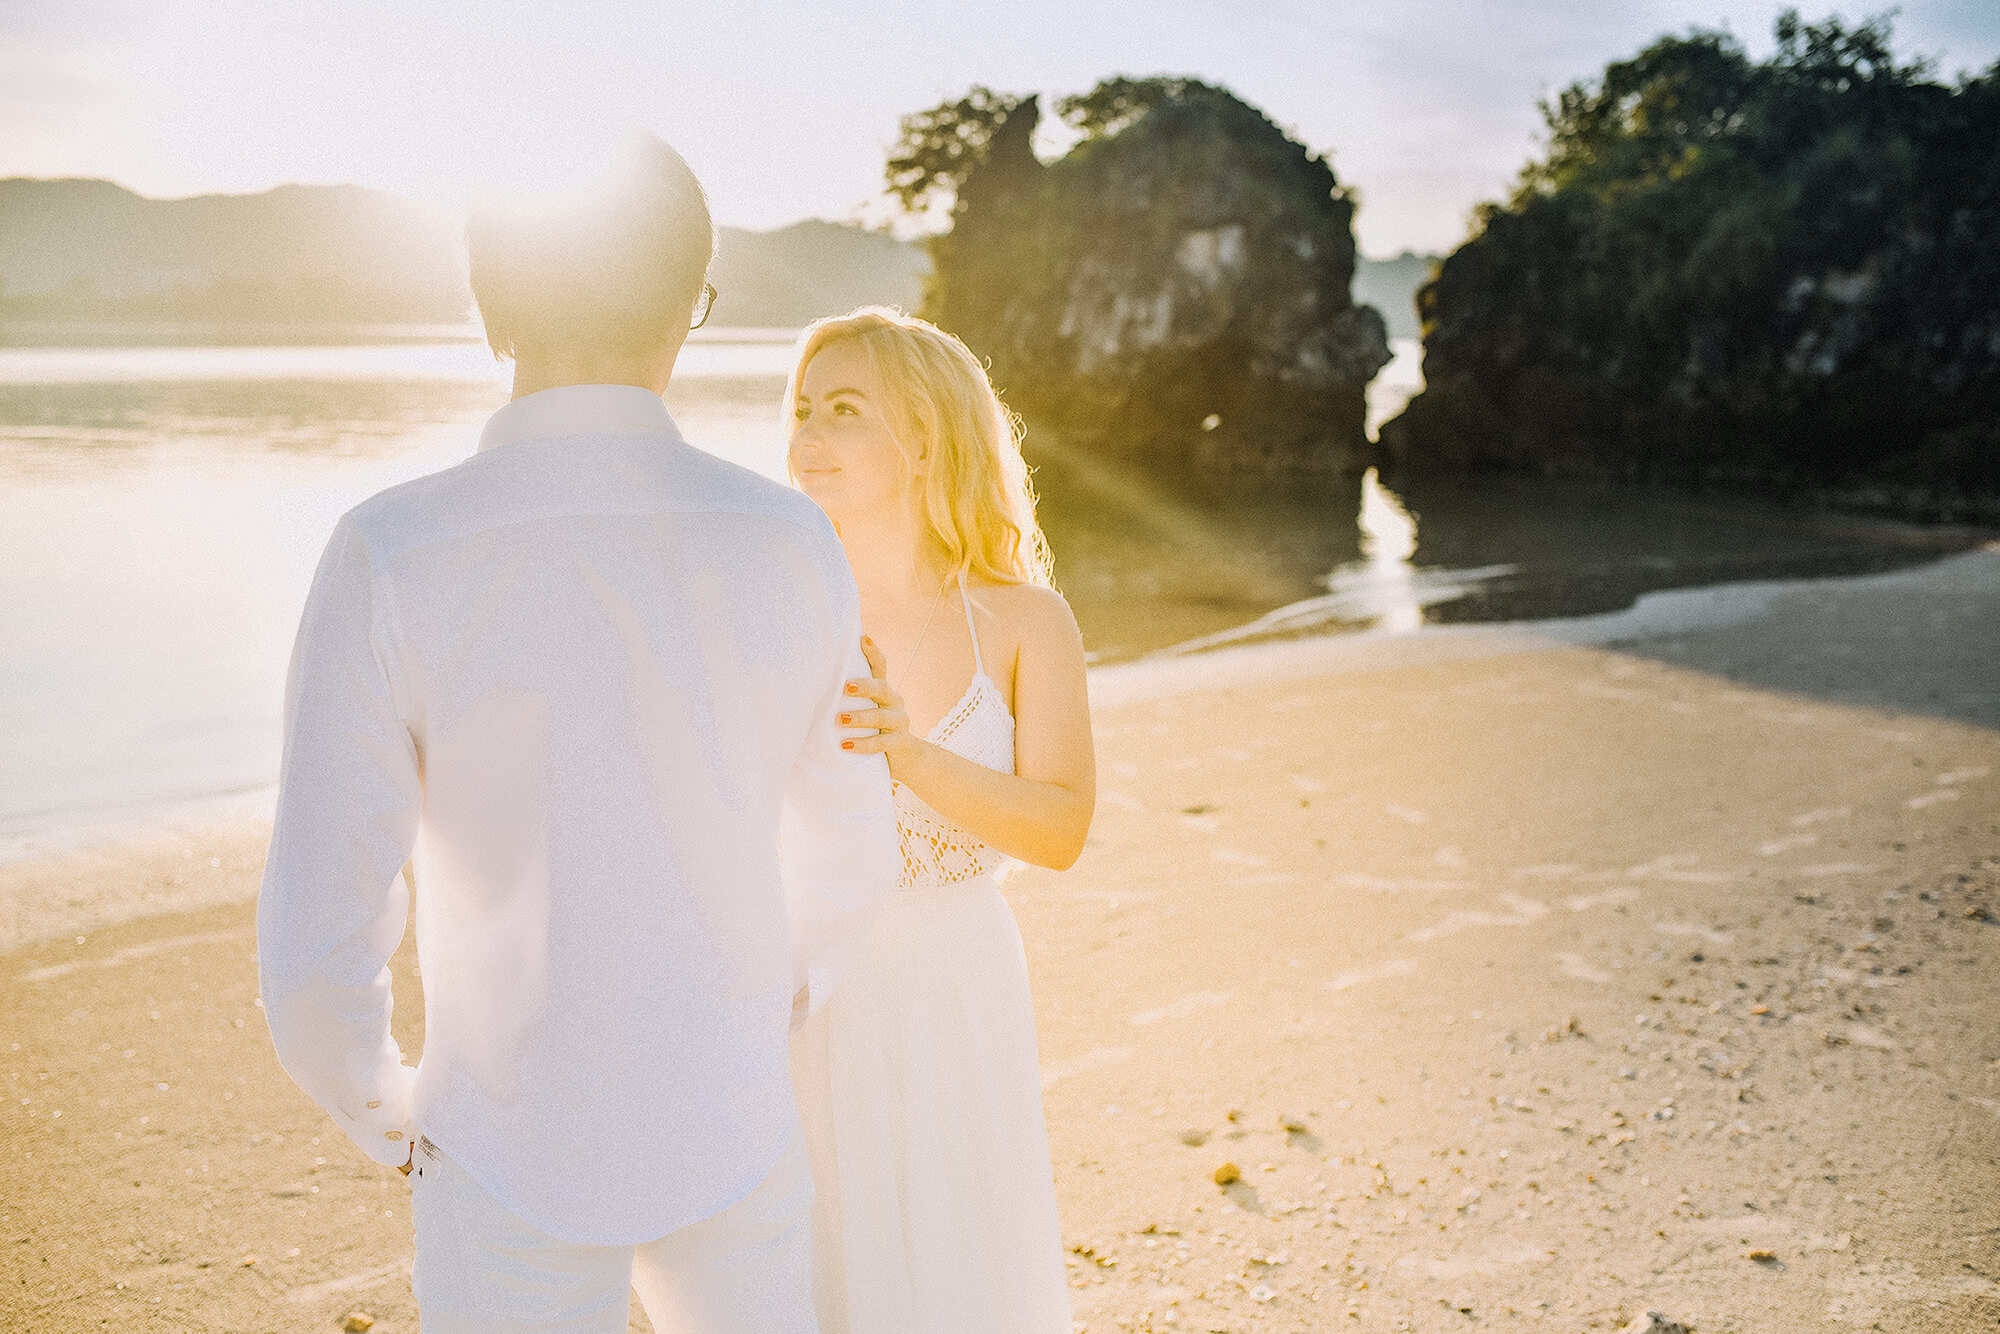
<point x="838" y="822"/>
<point x="333" y="903"/>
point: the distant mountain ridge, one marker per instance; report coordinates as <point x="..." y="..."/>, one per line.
<point x="94" y="250"/>
<point x="1390" y="285"/>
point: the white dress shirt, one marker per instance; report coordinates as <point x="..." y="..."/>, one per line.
<point x="590" y="676"/>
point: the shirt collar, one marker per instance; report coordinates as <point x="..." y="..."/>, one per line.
<point x="579" y="409"/>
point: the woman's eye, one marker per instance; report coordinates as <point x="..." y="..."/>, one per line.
<point x="844" y="408"/>
<point x="801" y="413"/>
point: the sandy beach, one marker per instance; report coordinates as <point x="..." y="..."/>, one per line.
<point x="1520" y="977"/>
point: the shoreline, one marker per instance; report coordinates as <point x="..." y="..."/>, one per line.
<point x="1652" y="615"/>
<point x="29" y="864"/>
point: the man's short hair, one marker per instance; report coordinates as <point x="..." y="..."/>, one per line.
<point x="616" y="263"/>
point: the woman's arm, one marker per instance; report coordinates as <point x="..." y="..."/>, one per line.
<point x="1041" y="812"/>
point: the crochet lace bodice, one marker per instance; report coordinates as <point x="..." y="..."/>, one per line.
<point x="979" y="728"/>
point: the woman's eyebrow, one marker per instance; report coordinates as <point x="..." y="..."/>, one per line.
<point x="832" y="394"/>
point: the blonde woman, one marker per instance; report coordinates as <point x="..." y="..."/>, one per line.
<point x="917" y="1081"/>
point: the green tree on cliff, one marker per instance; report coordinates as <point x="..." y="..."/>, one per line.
<point x="975" y="157"/>
<point x="1784" y="271"/>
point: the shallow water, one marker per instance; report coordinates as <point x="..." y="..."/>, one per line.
<point x="163" y="500"/>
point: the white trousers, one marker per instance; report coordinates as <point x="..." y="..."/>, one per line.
<point x="482" y="1270"/>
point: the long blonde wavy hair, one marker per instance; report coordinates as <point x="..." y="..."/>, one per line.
<point x="976" y="496"/>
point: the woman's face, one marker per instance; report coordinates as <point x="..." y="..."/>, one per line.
<point x="842" y="450"/>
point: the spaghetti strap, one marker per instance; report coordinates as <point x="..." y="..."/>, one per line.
<point x="978" y="667"/>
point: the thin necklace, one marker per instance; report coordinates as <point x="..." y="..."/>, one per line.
<point x="937" y="600"/>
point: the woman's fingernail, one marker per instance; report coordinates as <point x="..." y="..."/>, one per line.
<point x="847" y="745"/>
<point x="843" y="720"/>
<point x="853" y="689"/>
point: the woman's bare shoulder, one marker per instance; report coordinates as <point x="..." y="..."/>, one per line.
<point x="1033" y="615"/>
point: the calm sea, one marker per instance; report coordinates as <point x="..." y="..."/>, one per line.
<point x="162" y="507"/>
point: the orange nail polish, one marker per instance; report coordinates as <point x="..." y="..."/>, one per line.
<point x="843" y="720"/>
<point x="847" y="745"/>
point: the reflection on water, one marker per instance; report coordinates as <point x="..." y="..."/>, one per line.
<point x="161" y="509"/>
<point x="1396" y="383"/>
<point x="1382" y="590"/>
<point x="1386" y="578"/>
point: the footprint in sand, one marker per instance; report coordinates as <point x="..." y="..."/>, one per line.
<point x="1090" y="1060"/>
<point x="1786" y="844"/>
<point x="1602" y="691"/>
<point x="1707" y="933"/>
<point x="349" y="1283"/>
<point x="1871" y="1295"/>
<point x="1860" y="1035"/>
<point x="1963" y="775"/>
<point x="1182" y="1008"/>
<point x="1677" y="868"/>
<point x="1381" y="972"/>
<point x="1580" y="968"/>
<point x="1919" y="802"/>
<point x="1359" y="880"/>
<point x="1525" y="913"/>
<point x="1585" y="902"/>
<point x="1679" y="871"/>
<point x="1114" y="897"/>
<point x="129" y="953"/>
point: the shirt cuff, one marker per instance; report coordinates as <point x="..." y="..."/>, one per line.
<point x="385" y="1126"/>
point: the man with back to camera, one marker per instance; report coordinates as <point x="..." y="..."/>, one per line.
<point x="590" y="677"/>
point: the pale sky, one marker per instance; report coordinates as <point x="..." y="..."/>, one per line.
<point x="785" y="109"/>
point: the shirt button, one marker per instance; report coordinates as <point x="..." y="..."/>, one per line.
<point x="394" y="1134"/>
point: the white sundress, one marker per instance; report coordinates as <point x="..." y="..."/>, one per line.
<point x="918" y="1085"/>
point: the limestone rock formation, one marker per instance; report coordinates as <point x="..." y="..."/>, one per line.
<point x="1173" y="292"/>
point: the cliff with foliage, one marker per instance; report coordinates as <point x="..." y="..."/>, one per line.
<point x="1783" y="273"/>
<point x="1173" y="292"/>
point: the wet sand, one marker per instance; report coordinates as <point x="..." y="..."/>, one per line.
<point x="1528" y="978"/>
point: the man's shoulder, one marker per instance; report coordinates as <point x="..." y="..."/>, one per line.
<point x="476" y="492"/>
<point x="733" y="488"/>
<point x="409" y="510"/>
